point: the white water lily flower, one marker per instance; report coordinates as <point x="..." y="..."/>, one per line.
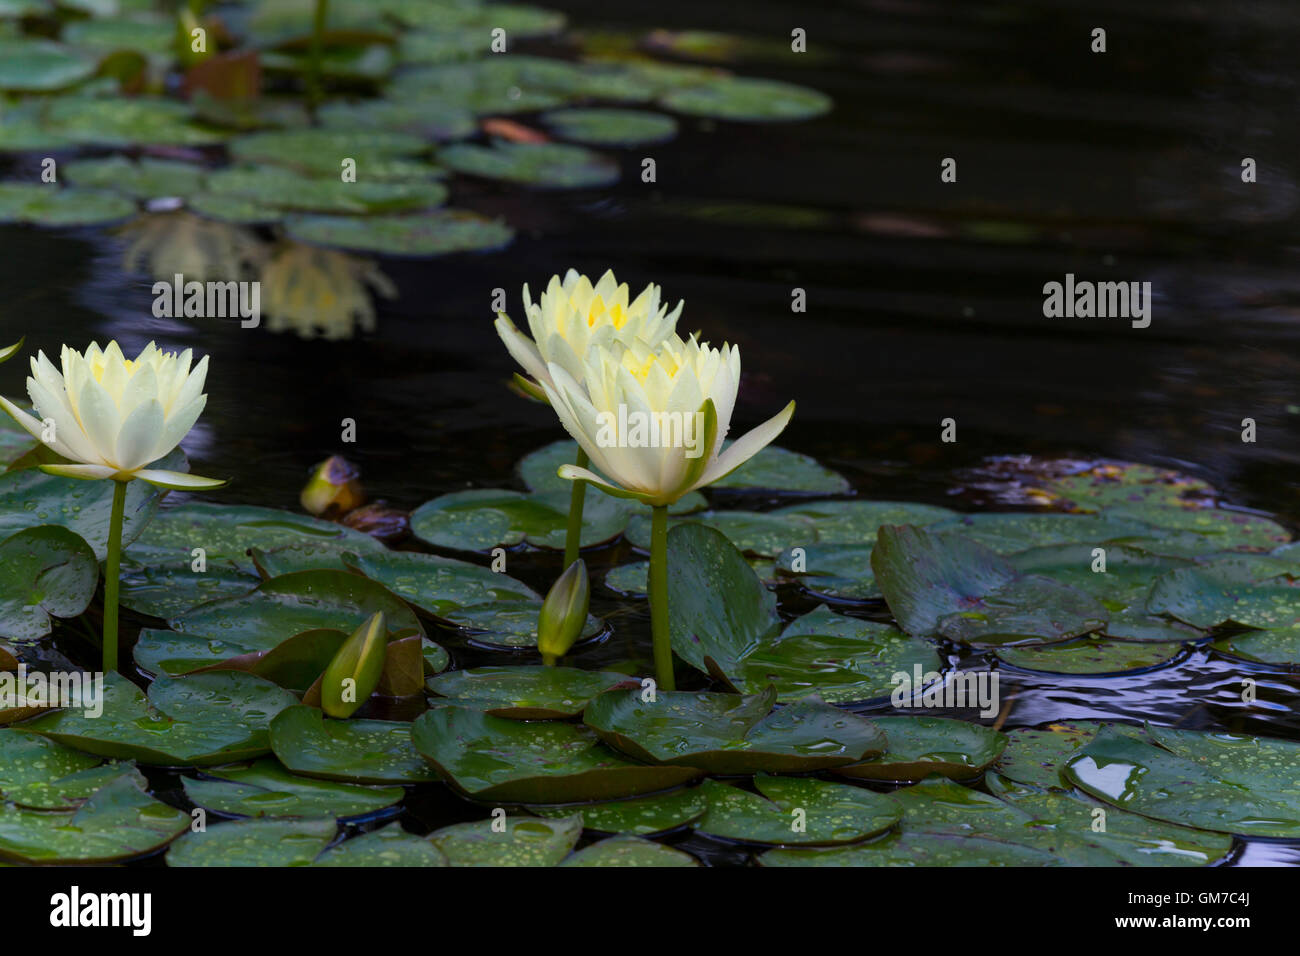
<point x="573" y="317"/>
<point x="111" y="416"/>
<point x="654" y="421"/>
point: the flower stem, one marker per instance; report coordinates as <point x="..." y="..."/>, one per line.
<point x="313" y="66"/>
<point x="112" y="571"/>
<point x="577" y="497"/>
<point x="659" y="598"/>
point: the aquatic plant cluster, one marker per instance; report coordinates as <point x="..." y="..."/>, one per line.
<point x="189" y="132"/>
<point x="269" y="641"/>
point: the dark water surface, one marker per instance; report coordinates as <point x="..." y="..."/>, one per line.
<point x="924" y="299"/>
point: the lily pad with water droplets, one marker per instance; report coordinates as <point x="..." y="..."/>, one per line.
<point x="1009" y="533"/>
<point x="1210" y="781"/>
<point x="437" y="585"/>
<point x="920" y="746"/>
<point x="117" y="822"/>
<point x="170" y="588"/>
<point x="858" y="522"/>
<point x="265" y="789"/>
<point x="642" y="816"/>
<point x="748" y="100"/>
<point x="765" y="534"/>
<point x="1091" y="655"/>
<point x="285" y="189"/>
<point x="1228" y="591"/>
<point x="40" y="774"/>
<point x="227" y="532"/>
<point x="353" y="750"/>
<point x="193" y="721"/>
<point x="528" y="692"/>
<point x="378" y="155"/>
<point x="1035" y="757"/>
<point x="840" y="659"/>
<point x="506" y="624"/>
<point x="45" y="572"/>
<point x="126" y="122"/>
<point x="436" y="233"/>
<point x="715" y="636"/>
<point x="1278" y="646"/>
<point x="547" y="165"/>
<point x="387" y="846"/>
<point x="731" y="733"/>
<point x="611" y="127"/>
<point x="796" y="811"/>
<point x="525" y="841"/>
<point x="253" y="843"/>
<point x="484" y="518"/>
<point x="288" y="605"/>
<point x="629" y="851"/>
<point x="424" y="117"/>
<point x="918" y="848"/>
<point x="837" y="572"/>
<point x="494" y="759"/>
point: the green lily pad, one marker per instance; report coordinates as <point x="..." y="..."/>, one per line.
<point x="858" y="522"/>
<point x="484" y="518"/>
<point x="387" y="846"/>
<point x="227" y="532"/>
<point x="731" y="733"/>
<point x="145" y="178"/>
<point x="523" y="841"/>
<point x="1210" y="781"/>
<point x="841" y="659"/>
<point x="193" y="721"/>
<point x="45" y="572"/>
<point x="49" y="205"/>
<point x="423" y="117"/>
<point x="117" y="822"/>
<point x="436" y="233"/>
<point x="265" y="789"/>
<point x="629" y="851"/>
<point x="493" y="759"/>
<point x="293" y="603"/>
<point x="629" y="580"/>
<point x="507" y="624"/>
<point x="1279" y="646"/>
<point x="1124" y="484"/>
<point x="171" y="588"/>
<point x="642" y="816"/>
<point x="320" y="152"/>
<point x="126" y="122"/>
<point x="353" y="751"/>
<point x="796" y="811"/>
<point x="1091" y="655"/>
<point x="753" y="532"/>
<point x="142" y="33"/>
<point x="1228" y="591"/>
<point x="285" y="189"/>
<point x="920" y="746"/>
<point x="837" y="572"/>
<point x="1009" y="533"/>
<point x="371" y="63"/>
<point x="611" y="127"/>
<point x="40" y="774"/>
<point x="436" y="585"/>
<point x="41" y="66"/>
<point x="1222" y="530"/>
<point x="949" y="585"/>
<point x="714" y="636"/>
<point x="547" y="165"/>
<point x="912" y="848"/>
<point x="525" y="692"/>
<point x="746" y="100"/>
<point x="253" y="843"/>
<point x="1034" y="757"/>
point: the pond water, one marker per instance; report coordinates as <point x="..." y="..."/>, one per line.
<point x="924" y="299"/>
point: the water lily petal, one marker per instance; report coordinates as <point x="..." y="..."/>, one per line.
<point x="10" y="351"/>
<point x="83" y="471"/>
<point x="521" y="348"/>
<point x="178" y="425"/>
<point x="139" y="434"/>
<point x="574" y="473"/>
<point x="747" y="446"/>
<point x="179" y="480"/>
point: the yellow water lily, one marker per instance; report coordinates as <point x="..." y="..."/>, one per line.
<point x="573" y="316"/>
<point x="111" y="416"/>
<point x="653" y="421"/>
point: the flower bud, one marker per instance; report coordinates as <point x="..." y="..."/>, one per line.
<point x="354" y="673"/>
<point x="564" y="612"/>
<point x="334" y="488"/>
